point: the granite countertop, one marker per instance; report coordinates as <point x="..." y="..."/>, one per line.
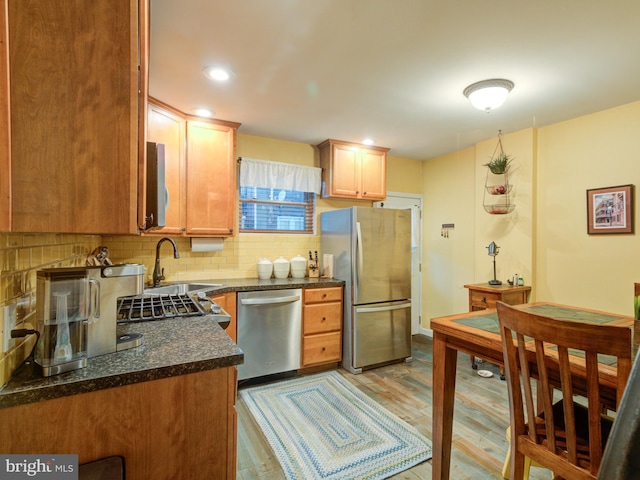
<point x="171" y="347"/>
<point x="249" y="284"/>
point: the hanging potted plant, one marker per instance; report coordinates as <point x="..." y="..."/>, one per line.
<point x="499" y="164"/>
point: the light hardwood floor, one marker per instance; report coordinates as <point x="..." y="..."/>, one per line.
<point x="481" y="417"/>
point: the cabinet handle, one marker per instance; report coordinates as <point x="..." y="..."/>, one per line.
<point x="324" y="318"/>
<point x="324" y="348"/>
<point x="364" y="193"/>
<point x="231" y="230"/>
<point x="324" y="295"/>
<point x="484" y="299"/>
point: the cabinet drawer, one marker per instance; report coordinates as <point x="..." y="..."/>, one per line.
<point x="318" y="295"/>
<point x="322" y="317"/>
<point x="322" y="348"/>
<point x="482" y="300"/>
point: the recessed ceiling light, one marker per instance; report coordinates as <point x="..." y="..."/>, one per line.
<point x="367" y="141"/>
<point x="203" y="112"/>
<point x="219" y="74"/>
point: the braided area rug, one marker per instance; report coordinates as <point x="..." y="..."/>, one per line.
<point x="322" y="427"/>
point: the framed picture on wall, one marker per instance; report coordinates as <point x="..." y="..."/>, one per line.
<point x="610" y="210"/>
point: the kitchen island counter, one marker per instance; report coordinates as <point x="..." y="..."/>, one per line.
<point x="171" y="347"/>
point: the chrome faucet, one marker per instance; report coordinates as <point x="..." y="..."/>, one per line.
<point x="158" y="273"/>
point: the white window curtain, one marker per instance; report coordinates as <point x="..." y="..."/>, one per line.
<point x="283" y="176"/>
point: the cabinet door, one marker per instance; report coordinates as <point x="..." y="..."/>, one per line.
<point x="227" y="302"/>
<point x="5" y="149"/>
<point x="210" y="179"/>
<point x="74" y="97"/>
<point x="374" y="174"/>
<point x="164" y="126"/>
<point x="345" y="171"/>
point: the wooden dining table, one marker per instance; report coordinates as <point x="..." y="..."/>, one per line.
<point x="478" y="334"/>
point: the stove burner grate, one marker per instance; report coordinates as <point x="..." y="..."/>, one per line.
<point x="156" y="307"/>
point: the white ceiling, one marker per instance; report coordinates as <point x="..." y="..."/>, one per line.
<point x="394" y="70"/>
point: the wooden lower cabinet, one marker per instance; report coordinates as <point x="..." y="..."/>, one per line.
<point x="177" y="427"/>
<point x="322" y="327"/>
<point x="227" y="302"/>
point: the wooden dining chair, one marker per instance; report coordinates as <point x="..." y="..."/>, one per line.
<point x="542" y="354"/>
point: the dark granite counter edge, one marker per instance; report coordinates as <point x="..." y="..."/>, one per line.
<point x="253" y="284"/>
<point x="171" y="347"/>
<point x="23" y="397"/>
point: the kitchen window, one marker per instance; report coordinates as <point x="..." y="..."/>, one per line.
<point x="277" y="197"/>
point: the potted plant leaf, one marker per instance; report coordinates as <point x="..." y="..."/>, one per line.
<point x="499" y="164"/>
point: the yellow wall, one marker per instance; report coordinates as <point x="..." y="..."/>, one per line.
<point x="512" y="232"/>
<point x="596" y="271"/>
<point x="545" y="238"/>
<point x="448" y="262"/>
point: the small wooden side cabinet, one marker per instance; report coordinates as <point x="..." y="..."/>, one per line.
<point x="322" y="327"/>
<point x="483" y="296"/>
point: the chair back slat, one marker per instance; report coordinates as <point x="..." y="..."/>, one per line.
<point x="566" y="387"/>
<point x="543" y="354"/>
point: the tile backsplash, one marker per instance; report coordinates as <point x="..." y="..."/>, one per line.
<point x="21" y="256"/>
<point x="237" y="259"/>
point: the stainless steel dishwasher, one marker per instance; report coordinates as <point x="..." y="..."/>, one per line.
<point x="269" y="331"/>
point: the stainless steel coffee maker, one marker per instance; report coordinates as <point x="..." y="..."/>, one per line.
<point x="64" y="308"/>
<point x="114" y="281"/>
<point x="76" y="313"/>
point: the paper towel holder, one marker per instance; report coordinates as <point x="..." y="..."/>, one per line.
<point x="206" y="244"/>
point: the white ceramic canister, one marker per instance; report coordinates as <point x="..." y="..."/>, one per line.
<point x="265" y="269"/>
<point x="298" y="266"/>
<point x="281" y="267"/>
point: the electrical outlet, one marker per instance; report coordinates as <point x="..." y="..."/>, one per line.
<point x="9" y="323"/>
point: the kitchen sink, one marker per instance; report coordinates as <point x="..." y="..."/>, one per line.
<point x="180" y="288"/>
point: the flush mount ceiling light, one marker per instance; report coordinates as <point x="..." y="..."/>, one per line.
<point x="219" y="74"/>
<point x="488" y="94"/>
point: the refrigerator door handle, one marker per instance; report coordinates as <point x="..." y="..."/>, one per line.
<point x="383" y="309"/>
<point x="360" y="259"/>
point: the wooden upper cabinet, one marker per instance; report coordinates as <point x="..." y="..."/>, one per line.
<point x="211" y="178"/>
<point x="5" y="132"/>
<point x="75" y="91"/>
<point x="200" y="172"/>
<point x="351" y="170"/>
<point x="167" y="126"/>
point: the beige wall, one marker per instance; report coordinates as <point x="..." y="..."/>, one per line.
<point x="596" y="271"/>
<point x="448" y="262"/>
<point x="512" y="232"/>
<point x="545" y="238"/>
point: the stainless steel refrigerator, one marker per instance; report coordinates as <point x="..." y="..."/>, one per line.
<point x="371" y="248"/>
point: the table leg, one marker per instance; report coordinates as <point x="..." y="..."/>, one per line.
<point x="444" y="383"/>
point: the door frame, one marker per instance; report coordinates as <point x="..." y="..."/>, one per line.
<point x="411" y="201"/>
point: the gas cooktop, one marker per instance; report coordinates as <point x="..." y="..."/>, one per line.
<point x="157" y="307"/>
